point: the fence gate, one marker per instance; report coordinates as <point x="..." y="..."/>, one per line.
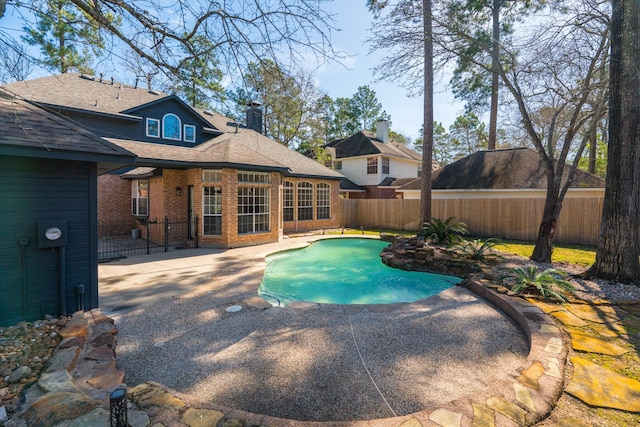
<point x="117" y="239"/>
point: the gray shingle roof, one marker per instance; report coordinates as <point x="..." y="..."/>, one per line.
<point x="515" y="168"/>
<point x="239" y="146"/>
<point x="27" y="126"/>
<point x="223" y="150"/>
<point x="73" y="91"/>
<point x="365" y="143"/>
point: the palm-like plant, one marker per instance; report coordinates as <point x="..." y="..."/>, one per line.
<point x="544" y="283"/>
<point x="478" y="250"/>
<point x="443" y="232"/>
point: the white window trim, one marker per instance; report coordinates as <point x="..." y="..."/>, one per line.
<point x="147" y="127"/>
<point x="136" y="197"/>
<point x="179" y="138"/>
<point x="204" y="206"/>
<point x="323" y="189"/>
<point x="184" y="132"/>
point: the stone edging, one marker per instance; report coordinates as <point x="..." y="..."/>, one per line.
<point x="78" y="379"/>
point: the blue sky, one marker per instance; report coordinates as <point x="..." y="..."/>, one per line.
<point x="355" y="21"/>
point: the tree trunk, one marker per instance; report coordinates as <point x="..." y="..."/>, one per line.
<point x="427" y="138"/>
<point x="593" y="151"/>
<point x="618" y="248"/>
<point x="495" y="58"/>
<point x="544" y="242"/>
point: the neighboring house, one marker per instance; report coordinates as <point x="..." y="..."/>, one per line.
<point x="196" y="166"/>
<point x="507" y="173"/>
<point x="373" y="165"/>
<point x="48" y="213"/>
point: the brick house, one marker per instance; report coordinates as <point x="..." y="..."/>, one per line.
<point x="231" y="184"/>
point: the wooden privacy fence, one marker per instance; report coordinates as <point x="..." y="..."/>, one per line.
<point x="516" y="219"/>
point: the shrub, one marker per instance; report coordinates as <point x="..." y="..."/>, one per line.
<point x="548" y="283"/>
<point x="478" y="250"/>
<point x="443" y="233"/>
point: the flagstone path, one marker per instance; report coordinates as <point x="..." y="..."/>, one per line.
<point x="605" y="357"/>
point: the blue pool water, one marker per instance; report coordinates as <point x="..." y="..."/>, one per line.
<point x="344" y="271"/>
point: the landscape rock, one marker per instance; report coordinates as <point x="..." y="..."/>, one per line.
<point x="56" y="381"/>
<point x="19" y="374"/>
<point x="585" y="342"/>
<point x="54" y="408"/>
<point x="201" y="417"/>
<point x="66" y="358"/>
<point x="598" y="386"/>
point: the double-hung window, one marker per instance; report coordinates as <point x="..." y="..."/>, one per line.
<point x="211" y="203"/>
<point x="212" y="210"/>
<point x="323" y="201"/>
<point x="254" y="202"/>
<point x="385" y="165"/>
<point x="305" y="201"/>
<point x="287" y="201"/>
<point x="140" y="197"/>
<point x="372" y="165"/>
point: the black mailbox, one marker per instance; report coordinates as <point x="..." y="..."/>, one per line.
<point x="52" y="234"/>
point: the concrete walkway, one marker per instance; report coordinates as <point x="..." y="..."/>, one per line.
<point x="329" y="363"/>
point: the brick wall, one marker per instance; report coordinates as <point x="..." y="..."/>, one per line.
<point x="115" y="194"/>
<point x="114" y="198"/>
<point x="175" y="206"/>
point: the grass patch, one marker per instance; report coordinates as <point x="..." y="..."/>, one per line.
<point x="583" y="256"/>
<point x="572" y="254"/>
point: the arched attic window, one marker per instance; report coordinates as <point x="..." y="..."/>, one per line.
<point x="171" y="127"/>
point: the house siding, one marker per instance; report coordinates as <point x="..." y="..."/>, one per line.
<point x="35" y="190"/>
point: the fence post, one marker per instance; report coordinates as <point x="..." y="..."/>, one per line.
<point x="197" y="231"/>
<point x="166" y="234"/>
<point x="148" y="235"/>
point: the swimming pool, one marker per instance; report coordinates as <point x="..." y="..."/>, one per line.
<point x="344" y="271"/>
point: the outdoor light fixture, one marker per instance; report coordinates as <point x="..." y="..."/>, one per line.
<point x="118" y="407"/>
<point x="178" y="191"/>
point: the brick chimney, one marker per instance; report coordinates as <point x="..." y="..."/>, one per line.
<point x="254" y="116"/>
<point x="382" y="130"/>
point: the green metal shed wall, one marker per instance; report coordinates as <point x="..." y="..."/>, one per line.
<point x="33" y="190"/>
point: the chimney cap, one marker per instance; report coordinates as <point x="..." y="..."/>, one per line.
<point x="253" y="104"/>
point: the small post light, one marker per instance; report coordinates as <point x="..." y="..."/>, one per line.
<point x="118" y="407"/>
<point x="178" y="191"/>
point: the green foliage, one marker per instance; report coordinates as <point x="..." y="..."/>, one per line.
<point x="199" y="77"/>
<point x="467" y="135"/>
<point x="366" y="107"/>
<point x="549" y="283"/>
<point x="478" y="250"/>
<point x="68" y="38"/>
<point x="443" y="232"/>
